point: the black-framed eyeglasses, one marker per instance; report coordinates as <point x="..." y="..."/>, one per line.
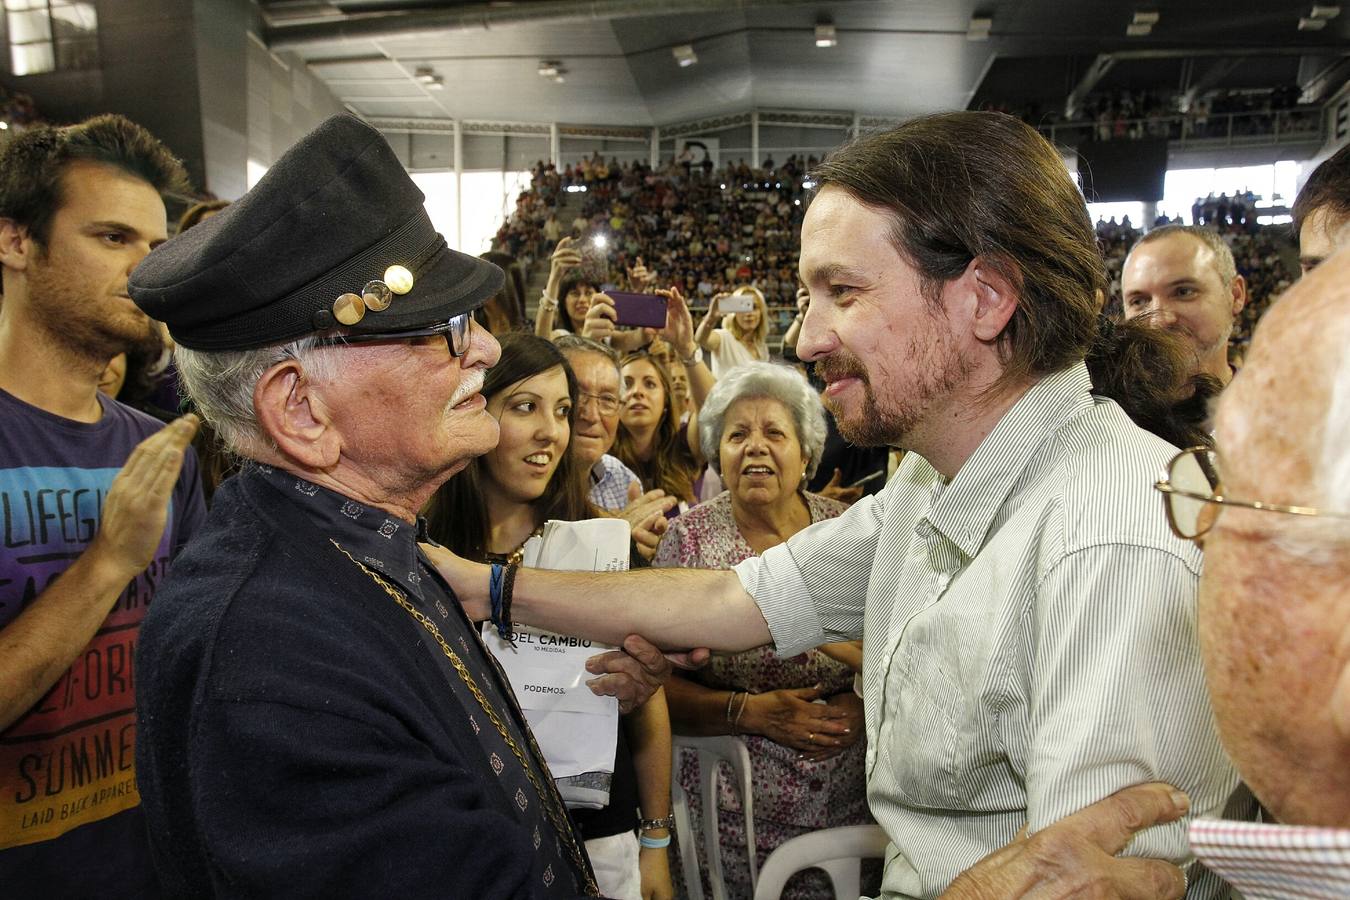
<point x="607" y="404"/>
<point x="1192" y="482"/>
<point x="456" y="330"/>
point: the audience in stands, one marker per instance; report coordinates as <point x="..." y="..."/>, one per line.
<point x="1138" y="114"/>
<point x="487" y="512"/>
<point x="705" y="233"/>
<point x="763" y="429"/>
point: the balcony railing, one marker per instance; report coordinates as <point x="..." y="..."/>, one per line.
<point x="1192" y="130"/>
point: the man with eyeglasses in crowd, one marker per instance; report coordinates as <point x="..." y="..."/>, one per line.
<point x="1271" y="508"/>
<point x="613" y="486"/>
<point x="317" y="716"/>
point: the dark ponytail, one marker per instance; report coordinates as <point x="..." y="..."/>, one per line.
<point x="1150" y="373"/>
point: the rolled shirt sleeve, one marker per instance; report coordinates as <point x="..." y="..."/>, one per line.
<point x="813" y="588"/>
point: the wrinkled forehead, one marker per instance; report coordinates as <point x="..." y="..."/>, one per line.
<point x="594" y="372"/>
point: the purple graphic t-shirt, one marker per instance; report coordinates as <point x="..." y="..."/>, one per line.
<point x="69" y="822"/>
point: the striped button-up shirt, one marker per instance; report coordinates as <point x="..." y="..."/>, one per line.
<point x="1029" y="634"/>
<point x="1276" y="862"/>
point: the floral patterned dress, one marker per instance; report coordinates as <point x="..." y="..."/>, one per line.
<point x="791" y="796"/>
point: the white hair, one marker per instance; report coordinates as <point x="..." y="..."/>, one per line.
<point x="221" y="385"/>
<point x="763" y="380"/>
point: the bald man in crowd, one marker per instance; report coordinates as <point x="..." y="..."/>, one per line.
<point x="1322" y="211"/>
<point x="1185" y="278"/>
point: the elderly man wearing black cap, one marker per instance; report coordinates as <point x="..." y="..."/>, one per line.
<point x="317" y="715"/>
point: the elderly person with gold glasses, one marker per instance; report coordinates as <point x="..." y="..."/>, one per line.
<point x="762" y="428"/>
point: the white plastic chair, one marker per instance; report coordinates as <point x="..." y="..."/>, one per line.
<point x="839" y="851"/>
<point x="711" y="750"/>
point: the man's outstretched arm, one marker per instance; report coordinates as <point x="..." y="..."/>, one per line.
<point x="1076" y="856"/>
<point x="675" y="609"/>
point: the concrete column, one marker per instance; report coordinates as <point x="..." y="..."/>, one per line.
<point x="459" y="184"/>
<point x="656" y="147"/>
<point x="555" y="145"/>
<point x="1150" y="213"/>
<point x="754" y="140"/>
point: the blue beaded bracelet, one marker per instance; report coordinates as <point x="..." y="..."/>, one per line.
<point x="649" y="843"/>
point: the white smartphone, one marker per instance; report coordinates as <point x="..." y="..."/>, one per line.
<point x="736" y="303"/>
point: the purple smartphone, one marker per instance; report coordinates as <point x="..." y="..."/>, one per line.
<point x="638" y="310"/>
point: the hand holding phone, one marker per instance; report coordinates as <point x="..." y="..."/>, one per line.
<point x="737" y="303"/>
<point x="638" y="310"/>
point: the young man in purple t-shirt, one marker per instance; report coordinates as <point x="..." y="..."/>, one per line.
<point x="95" y="498"/>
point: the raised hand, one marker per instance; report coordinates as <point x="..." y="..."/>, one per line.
<point x="679" y="330"/>
<point x="564" y="258"/>
<point x="600" y="321"/>
<point x="137" y="506"/>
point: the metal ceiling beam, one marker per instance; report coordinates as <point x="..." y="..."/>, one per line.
<point x="1095" y="73"/>
<point x="1218" y="71"/>
<point x="482" y="16"/>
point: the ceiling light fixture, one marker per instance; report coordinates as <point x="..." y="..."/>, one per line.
<point x="825" y="36"/>
<point x="979" y="28"/>
<point x="1325" y="13"/>
<point x="427" y="77"/>
<point x="684" y="55"/>
<point x="1141" y="25"/>
<point x="549" y="68"/>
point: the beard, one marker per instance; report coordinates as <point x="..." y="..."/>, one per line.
<point x="84" y="324"/>
<point x="937" y="368"/>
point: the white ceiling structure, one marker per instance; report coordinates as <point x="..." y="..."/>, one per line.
<point x="893" y="59"/>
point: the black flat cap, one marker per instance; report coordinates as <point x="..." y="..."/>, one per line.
<point x="333" y="236"/>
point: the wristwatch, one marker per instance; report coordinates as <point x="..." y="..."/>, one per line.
<point x="667" y="822"/>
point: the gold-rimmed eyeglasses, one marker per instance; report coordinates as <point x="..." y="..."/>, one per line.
<point x="1192" y="485"/>
<point x="607" y="404"/>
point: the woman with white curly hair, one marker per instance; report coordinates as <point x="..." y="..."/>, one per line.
<point x="762" y="428"/>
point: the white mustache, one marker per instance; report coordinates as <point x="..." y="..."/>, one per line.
<point x="468" y="388"/>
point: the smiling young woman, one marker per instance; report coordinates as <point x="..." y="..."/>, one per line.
<point x="487" y="512"/>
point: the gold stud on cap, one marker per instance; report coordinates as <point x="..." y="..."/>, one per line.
<point x="377" y="296"/>
<point x="349" y="309"/>
<point x="399" y="279"/>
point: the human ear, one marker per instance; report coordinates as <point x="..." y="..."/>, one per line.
<point x="16" y="246"/>
<point x="995" y="299"/>
<point x="1239" y="293"/>
<point x="291" y="412"/>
